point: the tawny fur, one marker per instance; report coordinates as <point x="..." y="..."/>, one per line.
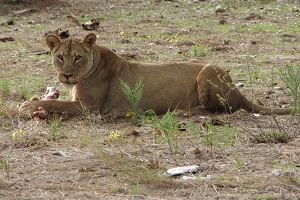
<point x="93" y="75"/>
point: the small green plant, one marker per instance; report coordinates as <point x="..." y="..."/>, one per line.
<point x="55" y="130"/>
<point x="238" y="162"/>
<point x="280" y="136"/>
<point x="200" y="50"/>
<point x="85" y="140"/>
<point x="269" y="136"/>
<point x="4" y="163"/>
<point x="24" y="92"/>
<point x="290" y="75"/>
<point x="168" y="126"/>
<point x="133" y="95"/>
<point x="134" y="189"/>
<point x="213" y="136"/>
<point x="265" y="197"/>
<point x="4" y="87"/>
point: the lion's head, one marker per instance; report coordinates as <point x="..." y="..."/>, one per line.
<point x="72" y="58"/>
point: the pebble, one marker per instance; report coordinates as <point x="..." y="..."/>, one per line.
<point x="59" y="153"/>
<point x="188" y="178"/>
<point x="181" y="170"/>
<point x="239" y="85"/>
<point x="287" y="172"/>
<point x="256" y="115"/>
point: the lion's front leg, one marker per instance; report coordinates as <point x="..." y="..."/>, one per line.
<point x="35" y="105"/>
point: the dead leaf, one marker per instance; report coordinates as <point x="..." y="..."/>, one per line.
<point x="24" y="11"/>
<point x="5" y="39"/>
<point x="62" y="34"/>
<point x="93" y="25"/>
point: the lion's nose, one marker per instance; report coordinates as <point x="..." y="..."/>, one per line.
<point x="68" y="75"/>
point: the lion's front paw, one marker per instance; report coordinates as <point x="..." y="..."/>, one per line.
<point x="30" y="106"/>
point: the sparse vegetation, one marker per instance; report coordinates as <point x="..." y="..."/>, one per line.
<point x="4" y="87"/>
<point x="4" y="164"/>
<point x="167" y="125"/>
<point x="129" y="168"/>
<point x="200" y="50"/>
<point x="213" y="137"/>
<point x="265" y="197"/>
<point x="268" y="136"/>
<point x="238" y="161"/>
<point x="290" y="75"/>
<point x="133" y="95"/>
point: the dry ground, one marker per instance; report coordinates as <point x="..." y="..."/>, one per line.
<point x="80" y="159"/>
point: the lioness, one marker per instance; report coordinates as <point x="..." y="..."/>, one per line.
<point x="93" y="75"/>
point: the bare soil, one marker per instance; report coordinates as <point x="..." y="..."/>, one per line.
<point x="79" y="158"/>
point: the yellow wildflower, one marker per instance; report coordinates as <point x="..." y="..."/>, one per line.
<point x="114" y="135"/>
<point x="17" y="134"/>
<point x="130" y="114"/>
<point x="173" y="40"/>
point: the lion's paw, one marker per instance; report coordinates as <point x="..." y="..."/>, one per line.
<point x="30" y="106"/>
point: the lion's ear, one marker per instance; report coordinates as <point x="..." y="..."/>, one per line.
<point x="90" y="39"/>
<point x="52" y="41"/>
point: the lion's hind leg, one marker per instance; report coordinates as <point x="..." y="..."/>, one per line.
<point x="216" y="92"/>
<point x="196" y="101"/>
<point x="213" y="93"/>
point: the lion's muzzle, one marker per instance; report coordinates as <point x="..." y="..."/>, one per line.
<point x="68" y="78"/>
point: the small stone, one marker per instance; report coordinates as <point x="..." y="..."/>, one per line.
<point x="188" y="178"/>
<point x="59" y="153"/>
<point x="208" y="177"/>
<point x="20" y="12"/>
<point x="239" y="85"/>
<point x="9" y="22"/>
<point x="277" y="172"/>
<point x="226" y="41"/>
<point x="182" y="170"/>
<point x="287" y="172"/>
<point x="219" y="9"/>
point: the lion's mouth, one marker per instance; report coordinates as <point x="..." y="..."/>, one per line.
<point x="68" y="78"/>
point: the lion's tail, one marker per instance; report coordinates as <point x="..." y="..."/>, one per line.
<point x="251" y="107"/>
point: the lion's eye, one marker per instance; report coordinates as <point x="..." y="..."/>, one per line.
<point x="77" y="58"/>
<point x="60" y="57"/>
